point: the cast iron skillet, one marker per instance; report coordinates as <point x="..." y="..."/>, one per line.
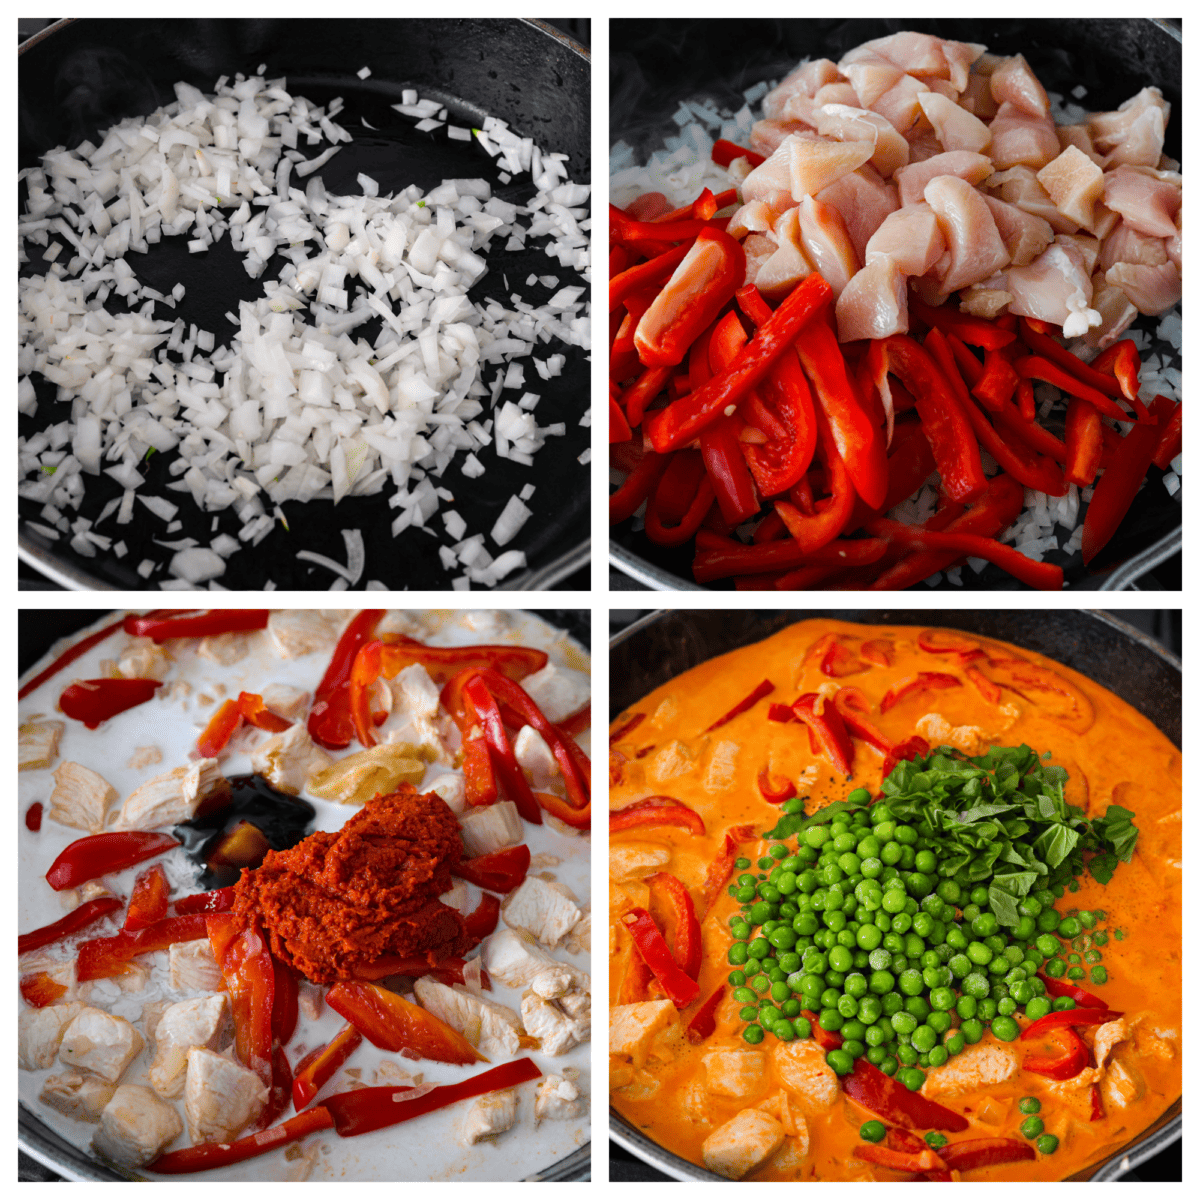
<point x="657" y="63"/>
<point x="37" y="631"/>
<point x="80" y="76"/>
<point x="1102" y="647"/>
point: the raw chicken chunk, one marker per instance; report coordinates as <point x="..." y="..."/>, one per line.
<point x="979" y="1066"/>
<point x="1054" y="287"/>
<point x="97" y="1041"/>
<point x="512" y="960"/>
<point x="1133" y="134"/>
<point x="787" y="263"/>
<point x="1013" y="82"/>
<point x="37" y="744"/>
<point x="136" y="1127"/>
<point x="1151" y="290"/>
<point x="966" y="164"/>
<point x="78" y="1095"/>
<point x="864" y="201"/>
<point x="289" y="760"/>
<point x="806" y="80"/>
<point x="974" y="245"/>
<point x="557" y="1100"/>
<point x="1020" y="139"/>
<point x="490" y="828"/>
<point x="81" y="798"/>
<point x="851" y="124"/>
<point x="874" y="304"/>
<point x="743" y="1144"/>
<point x="802" y="166"/>
<point x="40" y="1033"/>
<point x="1147" y="202"/>
<point x="826" y="243"/>
<point x="194" y="967"/>
<point x="955" y="128"/>
<point x="911" y="237"/>
<point x="1024" y="235"/>
<point x="871" y="77"/>
<point x="176" y="796"/>
<point x="490" y="1115"/>
<point x="498" y="1027"/>
<point x="202" y="1022"/>
<point x="1075" y="184"/>
<point x="737" y="1073"/>
<point x="221" y="1097"/>
<point x="541" y="910"/>
<point x="557" y="691"/>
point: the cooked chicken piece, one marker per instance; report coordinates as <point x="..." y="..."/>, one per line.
<point x="176" y="796"/>
<point x="848" y="123"/>
<point x="541" y="910"/>
<point x="1013" y="82"/>
<point x="80" y="1096"/>
<point x="142" y="658"/>
<point x="974" y="247"/>
<point x="490" y="623"/>
<point x="62" y="972"/>
<point x="806" y="80"/>
<point x="225" y="649"/>
<point x="457" y="897"/>
<point x="743" y="1144"/>
<point x="579" y="940"/>
<point x="1122" y="1084"/>
<point x="512" y="960"/>
<point x="954" y="127"/>
<point x="287" y="701"/>
<point x="136" y="1127"/>
<point x="801" y="1068"/>
<point x="1151" y="290"/>
<point x="1133" y="134"/>
<point x="491" y="828"/>
<point x="557" y="1100"/>
<point x="490" y="1115"/>
<point x="557" y="691"/>
<point x="556" y="1029"/>
<point x="312" y="1000"/>
<point x="37" y="744"/>
<point x="826" y="243"/>
<point x="874" y="304"/>
<point x="912" y="180"/>
<point x="737" y="1073"/>
<point x="413" y="715"/>
<point x="1024" y="235"/>
<point x="194" y="967"/>
<point x="143" y="757"/>
<point x="81" y="798"/>
<point x="864" y="200"/>
<point x="221" y="1097"/>
<point x="1018" y="138"/>
<point x="300" y="631"/>
<point x="634" y="1028"/>
<point x="289" y="760"/>
<point x="203" y="1022"/>
<point x="97" y="1041"/>
<point x="636" y="860"/>
<point x="495" y="1028"/>
<point x="940" y="732"/>
<point x="452" y="789"/>
<point x="536" y="758"/>
<point x="979" y="1066"/>
<point x="40" y="1033"/>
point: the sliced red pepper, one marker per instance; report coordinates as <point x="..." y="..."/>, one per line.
<point x="104" y="853"/>
<point x="722" y="867"/>
<point x="764" y="689"/>
<point x="285" y="1007"/>
<point x="1071" y="1059"/>
<point x="704" y="1024"/>
<point x="1120" y="482"/>
<point x="500" y="751"/>
<point x="680" y="987"/>
<point x="484" y="918"/>
<point x="626" y="729"/>
<point x="88" y="913"/>
<point x="1059" y="987"/>
<point x="103" y="958"/>
<point x="905" y="751"/>
<point x="248" y="707"/>
<point x="368" y="1109"/>
<point x="851" y="705"/>
<point x="249" y="972"/>
<point x="998" y="382"/>
<point x="1026" y="402"/>
<point x="839" y="662"/>
<point x="1170" y="444"/>
<point x="192" y="1159"/>
<point x="655" y="810"/>
<point x="162" y="626"/>
<point x="1046" y="347"/>
<point x="1097" y="1104"/>
<point x="941" y="641"/>
<point x="40" y="989"/>
<point x="391" y="1023"/>
<point x="618" y="427"/>
<point x="1034" y="366"/>
<point x="636" y="489"/>
<point x="985" y="1152"/>
<point x="682" y="497"/>
<point x="1123" y="362"/>
<point x="825" y="724"/>
<point x="724" y="152"/>
<point x="720" y="446"/>
<point x="787" y="554"/>
<point x="902" y="1139"/>
<point x="882" y="1095"/>
<point x="95" y="700"/>
<point x="688" y="950"/>
<point x="975" y="331"/>
<point x="151" y="894"/>
<point x="774" y="795"/>
<point x="329" y="720"/>
<point x="899" y="1160"/>
<point x="67" y="657"/>
<point x="33" y="817"/>
<point x="878" y="651"/>
<point x="986" y="688"/>
<point x="827" y="1039"/>
<point x="922" y="681"/>
<point x="319" y="1066"/>
<point x="1085" y="442"/>
<point x="1084" y="1015"/>
<point x="563" y="810"/>
<point x="449" y="971"/>
<point x="813" y="533"/>
<point x="653" y="273"/>
<point x="220" y="900"/>
<point x="501" y="871"/>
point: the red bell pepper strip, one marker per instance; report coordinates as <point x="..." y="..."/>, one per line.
<point x="677" y="425"/>
<point x="988" y="335"/>
<point x="899" y="1160"/>
<point x="882" y="1095"/>
<point x="653" y="273"/>
<point x="1028" y="467"/>
<point x="103" y="854"/>
<point x="319" y="1066"/>
<point x="148" y="904"/>
<point x="813" y="533"/>
<point x="985" y="1152"/>
<point x="940" y="641"/>
<point x="1072" y="1058"/>
<point x="827" y="727"/>
<point x="368" y="1109"/>
<point x="655" y="810"/>
<point x="88" y="913"/>
<point x="683" y="496"/>
<point x="40" y="989"/>
<point x="329" y="721"/>
<point x="390" y="1022"/>
<point x="878" y="651"/>
<point x="724" y="152"/>
<point x="787" y="554"/>
<point x="983" y="685"/>
<point x="192" y="1159"/>
<point x="636" y="489"/>
<point x="680" y="987"/>
<point x="851" y="704"/>
<point x="1026" y="401"/>
<point x="1085" y="442"/>
<point x="719" y="444"/>
<point x="906" y="751"/>
<point x="220" y="900"/>
<point x="33" y="817"/>
<point x="704" y="1024"/>
<point x="920" y="682"/>
<point x="1097" y="1104"/>
<point x="500" y="751"/>
<point x="773" y="795"/>
<point x="1034" y="366"/>
<point x="997" y="383"/>
<point x="902" y="1139"/>
<point x="626" y="729"/>
<point x="688" y="950"/>
<point x="484" y="918"/>
<point x="1057" y="987"/>
<point x="249" y="971"/>
<point x="248" y="707"/>
<point x="67" y="657"/>
<point x="449" y="971"/>
<point x="1083" y="1015"/>
<point x="1046" y="347"/>
<point x="764" y="689"/>
<point x="103" y="958"/>
<point x="1120" y="482"/>
<point x="1122" y="361"/>
<point x="840" y="662"/>
<point x="501" y="871"/>
<point x="577" y="722"/>
<point x="94" y="700"/>
<point x="721" y="868"/>
<point x="618" y="427"/>
<point x="625" y="228"/>
<point x="636" y="398"/>
<point x="162" y="626"/>
<point x="827" y="1039"/>
<point x="556" y="806"/>
<point x="1171" y="441"/>
<point x="285" y="1007"/>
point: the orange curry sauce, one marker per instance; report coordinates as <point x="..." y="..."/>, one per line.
<point x="1112" y="753"/>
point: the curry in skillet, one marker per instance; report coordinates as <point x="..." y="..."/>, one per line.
<point x="892" y="903"/>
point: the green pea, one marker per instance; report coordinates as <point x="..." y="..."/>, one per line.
<point x="830" y="1020"/>
<point x="749" y="1013"/>
<point x="911" y="983"/>
<point x="742" y="863"/>
<point x="979" y="954"/>
<point x="1098" y="975"/>
<point x="924" y="1039"/>
<point x="935" y="1140"/>
<point x="738" y="953"/>
<point x="1005" y="1028"/>
<point x="868" y="938"/>
<point x="881" y="982"/>
<point x="1069" y="927"/>
<point x="1039" y="1006"/>
<point x="784" y="1031"/>
<point x="976" y="985"/>
<point x="955" y="1043"/>
<point x="745" y="995"/>
<point x="1075" y="973"/>
<point x="853" y="1048"/>
<point x="1056" y="968"/>
<point x="840" y="1062"/>
<point x="737" y="978"/>
<point x="792" y="1008"/>
<point x="802" y="1026"/>
<point x="987" y="1009"/>
<point x="966" y="1007"/>
<point x="1029" y="1105"/>
<point x="939" y="1022"/>
<point x="1048" y="920"/>
<point x="972" y="1030"/>
<point x="918" y="1006"/>
<point x="794" y="805"/>
<point x="1047" y="1143"/>
<point x="912" y="1078"/>
<point x="753" y="1034"/>
<point x="938" y="1056"/>
<point x="1063" y="1003"/>
<point x="1033" y="1127"/>
<point x="889" y="1066"/>
<point x="904" y="1022"/>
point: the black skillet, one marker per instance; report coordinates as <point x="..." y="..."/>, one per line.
<point x="657" y="63"/>
<point x="78" y="77"/>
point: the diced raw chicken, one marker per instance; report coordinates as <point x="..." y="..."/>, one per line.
<point x="1024" y="235"/>
<point x="540" y="910"/>
<point x="767" y="136"/>
<point x="1125" y="244"/>
<point x="176" y="796"/>
<point x="81" y="798"/>
<point x="874" y="304"/>
<point x="743" y="1144"/>
<point x="1019" y="186"/>
<point x="976" y="97"/>
<point x="838" y="92"/>
<point x="980" y="1066"/>
<point x="826" y="243"/>
<point x="1079" y="137"/>
<point x="286" y="701"/>
<point x="193" y="967"/>
<point x="225" y="649"/>
<point x="911" y="237"/>
<point x="40" y="1033"/>
<point x="900" y="104"/>
<point x="490" y="1115"/>
<point x="1019" y="139"/>
<point x="491" y="827"/>
<point x="864" y="201"/>
<point x="916" y="53"/>
<point x="801" y="1067"/>
<point x="636" y="860"/>
<point x="1075" y="184"/>
<point x="871" y="77"/>
<point x="633" y="1028"/>
<point x="557" y="1030"/>
<point x="557" y="1100"/>
<point x="802" y="166"/>
<point x="142" y="658"/>
<point x="536" y="758"/>
<point x="452" y="789"/>
<point x="1116" y="313"/>
<point x="1151" y="290"/>
<point x="912" y="180"/>
<point x="1133" y="134"/>
<point x="202" y="1022"/>
<point x="495" y="1028"/>
<point x="849" y="124"/>
<point x="975" y="248"/>
<point x="1013" y="82"/>
<point x="787" y="263"/>
<point x="136" y="1127"/>
<point x="754" y="217"/>
<point x="97" y="1041"/>
<point x="737" y="1073"/>
<point x="956" y="129"/>
<point x="512" y="960"/>
<point x="300" y="631"/>
<point x="1147" y="203"/>
<point x="760" y="249"/>
<point x="1088" y="247"/>
<point x="78" y="1095"/>
<point x="557" y="691"/>
<point x="37" y="744"/>
<point x="1054" y="287"/>
<point x="457" y="897"/>
<point x="806" y="80"/>
<point x="289" y="760"/>
<point x="221" y="1097"/>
